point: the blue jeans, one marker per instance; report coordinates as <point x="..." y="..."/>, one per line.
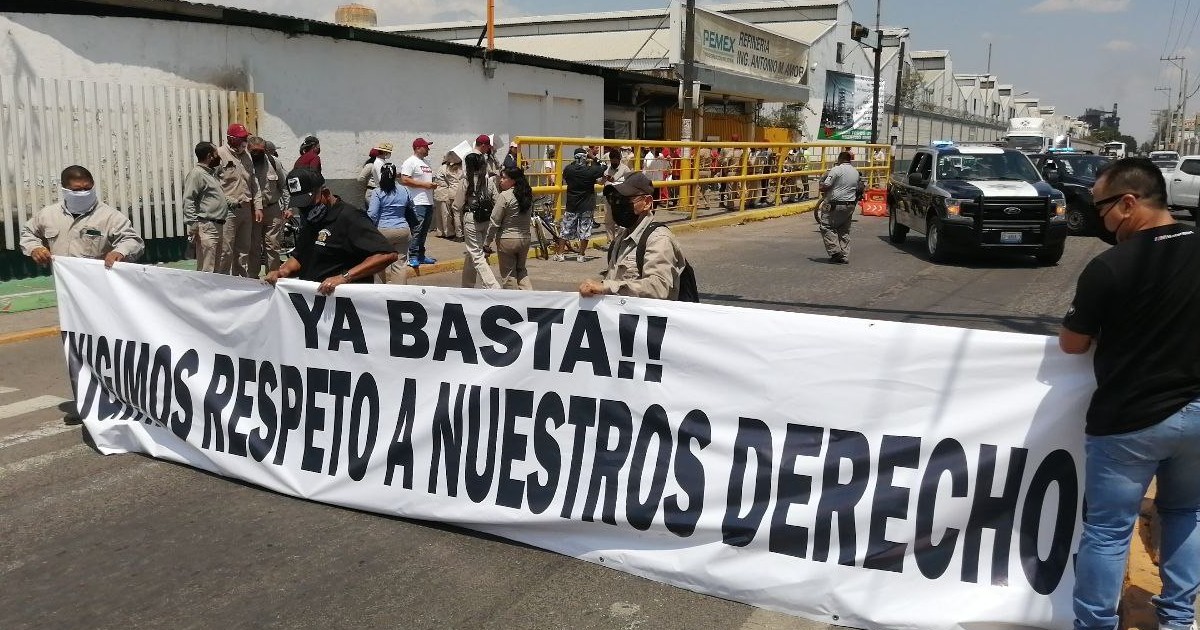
<point x="1119" y="469"/>
<point x="424" y="216"/>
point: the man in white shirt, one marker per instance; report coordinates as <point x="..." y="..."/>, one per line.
<point x="417" y="175"/>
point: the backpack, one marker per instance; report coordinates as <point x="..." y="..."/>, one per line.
<point x="688" y="291"/>
<point x="480" y="205"/>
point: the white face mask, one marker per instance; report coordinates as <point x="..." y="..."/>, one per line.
<point x="79" y="201"/>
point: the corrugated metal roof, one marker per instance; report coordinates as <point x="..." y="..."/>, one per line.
<point x="618" y="44"/>
<point x="929" y="54"/>
<point x="180" y="10"/>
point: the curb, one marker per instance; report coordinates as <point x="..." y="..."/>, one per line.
<point x="724" y="220"/>
<point x="26" y="335"/>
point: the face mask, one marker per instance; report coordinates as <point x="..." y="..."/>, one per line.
<point x="79" y="201"/>
<point x="314" y="213"/>
<point x="623" y="212"/>
<point x="258" y="158"/>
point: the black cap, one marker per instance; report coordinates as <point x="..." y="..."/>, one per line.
<point x="303" y="184"/>
<point x="311" y="140"/>
<point x="635" y="184"/>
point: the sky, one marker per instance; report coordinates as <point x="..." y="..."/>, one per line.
<point x="1072" y="54"/>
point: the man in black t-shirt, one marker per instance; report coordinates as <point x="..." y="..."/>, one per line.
<point x="1140" y="303"/>
<point x="337" y="243"/>
<point x="578" y="219"/>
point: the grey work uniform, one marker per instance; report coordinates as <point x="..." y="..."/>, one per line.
<point x="836" y="212"/>
<point x="275" y="197"/>
<point x="92" y="235"/>
<point x="205" y="210"/>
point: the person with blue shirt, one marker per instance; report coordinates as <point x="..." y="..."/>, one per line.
<point x="388" y="208"/>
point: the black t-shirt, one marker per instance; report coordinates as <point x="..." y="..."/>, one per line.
<point x="337" y="243"/>
<point x="1141" y="302"/>
<point x="581" y="186"/>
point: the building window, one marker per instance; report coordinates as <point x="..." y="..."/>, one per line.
<point x="841" y="52"/>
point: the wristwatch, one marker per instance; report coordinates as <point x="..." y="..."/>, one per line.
<point x="346" y="276"/>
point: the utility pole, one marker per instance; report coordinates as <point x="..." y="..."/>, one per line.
<point x="689" y="72"/>
<point x="1163" y="138"/>
<point x="1177" y="111"/>
<point x="899" y="95"/>
<point x="878" y="61"/>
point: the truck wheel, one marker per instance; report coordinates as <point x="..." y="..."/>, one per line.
<point x="1079" y="223"/>
<point x="933" y="241"/>
<point x="896" y="232"/>
<point x="1051" y="254"/>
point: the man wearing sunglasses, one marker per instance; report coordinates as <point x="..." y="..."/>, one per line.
<point x="1139" y="303"/>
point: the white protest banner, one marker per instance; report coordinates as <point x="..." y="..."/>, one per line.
<point x="865" y="473"/>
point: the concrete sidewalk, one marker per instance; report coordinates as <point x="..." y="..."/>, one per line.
<point x="32" y="311"/>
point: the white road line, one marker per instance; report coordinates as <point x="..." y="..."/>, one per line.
<point x="28" y="405"/>
<point x="27" y="293"/>
<point x="8" y="390"/>
<point x="37" y="461"/>
<point x="35" y="434"/>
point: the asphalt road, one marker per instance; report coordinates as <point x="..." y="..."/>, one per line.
<point x="131" y="542"/>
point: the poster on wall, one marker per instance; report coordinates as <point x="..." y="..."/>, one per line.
<point x="846" y="114"/>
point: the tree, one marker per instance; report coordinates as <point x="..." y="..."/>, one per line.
<point x="911" y="84"/>
<point x="789" y="116"/>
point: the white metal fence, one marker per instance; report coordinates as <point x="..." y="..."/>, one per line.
<point x="137" y="140"/>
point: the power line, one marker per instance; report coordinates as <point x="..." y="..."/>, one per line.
<point x="1170" y="27"/>
<point x="1179" y="36"/>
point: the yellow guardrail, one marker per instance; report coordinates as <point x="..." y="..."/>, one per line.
<point x="728" y="176"/>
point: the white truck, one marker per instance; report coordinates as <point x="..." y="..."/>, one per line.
<point x="1183" y="185"/>
<point x="1115" y="150"/>
<point x="1035" y="135"/>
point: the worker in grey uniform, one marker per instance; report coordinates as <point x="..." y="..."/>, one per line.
<point x="205" y="208"/>
<point x="272" y="180"/>
<point x="841" y="186"/>
<point x="632" y="203"/>
<point x="80" y="226"/>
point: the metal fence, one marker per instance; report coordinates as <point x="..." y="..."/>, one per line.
<point x="751" y="174"/>
<point x="137" y="140"/>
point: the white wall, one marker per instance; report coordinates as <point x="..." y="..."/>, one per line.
<point x="350" y="94"/>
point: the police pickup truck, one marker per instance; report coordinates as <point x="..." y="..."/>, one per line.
<point x="973" y="198"/>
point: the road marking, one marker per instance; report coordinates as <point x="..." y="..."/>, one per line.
<point x="8" y="390"/>
<point x="35" y="434"/>
<point x="30" y="463"/>
<point x="27" y="293"/>
<point x="29" y="405"/>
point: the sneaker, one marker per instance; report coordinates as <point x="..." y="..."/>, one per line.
<point x="425" y="260"/>
<point x="582" y="258"/>
<point x="414" y="263"/>
<point x="558" y="258"/>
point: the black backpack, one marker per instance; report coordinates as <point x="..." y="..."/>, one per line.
<point x="688" y="291"/>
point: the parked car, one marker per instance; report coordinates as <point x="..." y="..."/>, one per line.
<point x="972" y="198"/>
<point x="1073" y="174"/>
<point x="1183" y="185"/>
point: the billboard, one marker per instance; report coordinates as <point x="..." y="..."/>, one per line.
<point x="846" y="114"/>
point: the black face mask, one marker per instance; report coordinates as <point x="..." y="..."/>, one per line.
<point x="313" y="213"/>
<point x="623" y="212"/>
<point x="1105" y="235"/>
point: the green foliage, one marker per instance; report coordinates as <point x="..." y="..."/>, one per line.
<point x="789" y="116"/>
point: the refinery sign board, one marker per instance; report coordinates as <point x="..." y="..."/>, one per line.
<point x="743" y="48"/>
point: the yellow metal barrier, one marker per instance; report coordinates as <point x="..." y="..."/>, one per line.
<point x="707" y="176"/>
